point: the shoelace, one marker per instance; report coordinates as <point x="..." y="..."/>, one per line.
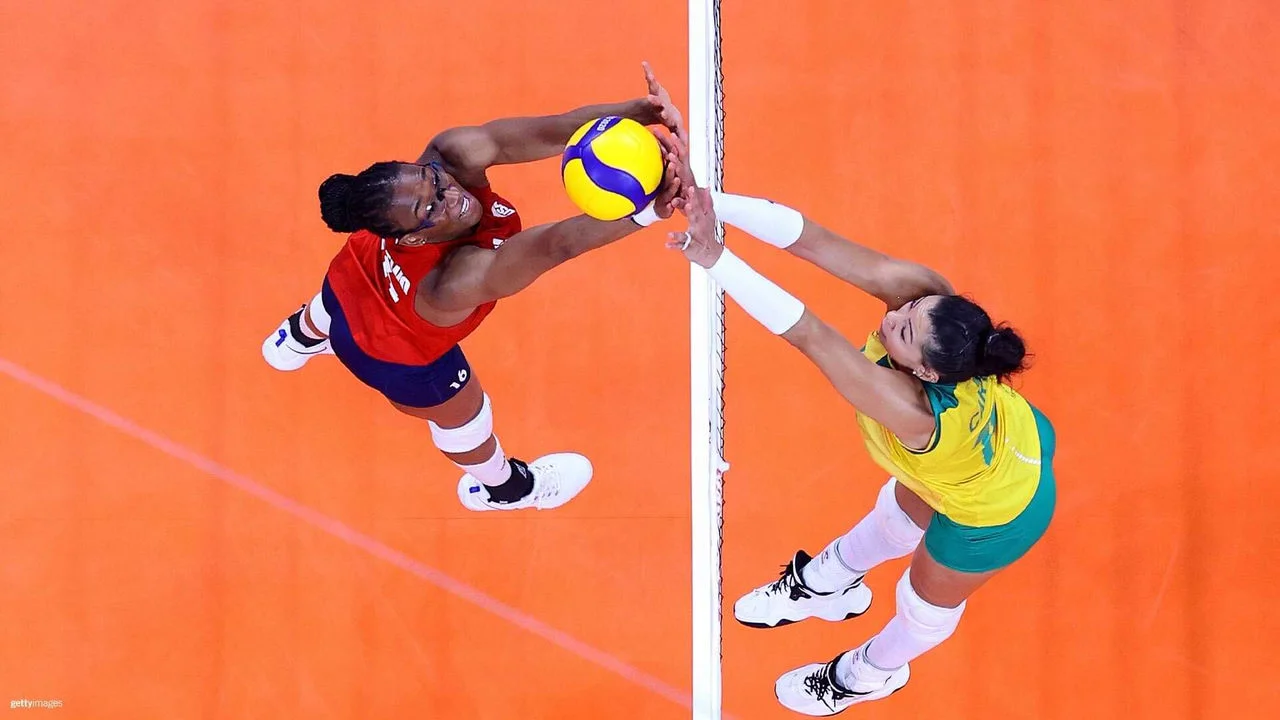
<point x="818" y="684"/>
<point x="787" y="583"/>
<point x="546" y="484"/>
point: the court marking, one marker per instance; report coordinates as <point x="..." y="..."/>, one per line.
<point x="340" y="531"/>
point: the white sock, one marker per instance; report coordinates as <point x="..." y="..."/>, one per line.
<point x="917" y="628"/>
<point x="492" y="472"/>
<point x="854" y="673"/>
<point x="884" y="534"/>
<point x="319" y="318"/>
<point x="772" y="222"/>
<point x="827" y="572"/>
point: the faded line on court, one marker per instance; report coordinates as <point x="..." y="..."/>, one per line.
<point x="348" y="535"/>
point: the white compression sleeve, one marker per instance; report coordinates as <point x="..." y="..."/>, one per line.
<point x="769" y="304"/>
<point x="772" y="222"/>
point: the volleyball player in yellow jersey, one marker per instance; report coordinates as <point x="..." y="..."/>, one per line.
<point x="970" y="460"/>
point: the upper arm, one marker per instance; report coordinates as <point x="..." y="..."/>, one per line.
<point x="891" y="398"/>
<point x="470" y="150"/>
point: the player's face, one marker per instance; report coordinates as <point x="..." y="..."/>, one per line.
<point x="904" y="332"/>
<point x="430" y="206"/>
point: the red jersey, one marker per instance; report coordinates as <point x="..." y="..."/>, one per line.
<point x="375" y="280"/>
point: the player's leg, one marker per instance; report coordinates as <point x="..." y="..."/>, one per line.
<point x="462" y="427"/>
<point x="947" y="568"/>
<point x="830" y="586"/>
<point x="301" y="336"/>
<point x="931" y="599"/>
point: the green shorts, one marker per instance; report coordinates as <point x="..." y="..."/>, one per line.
<point x="982" y="549"/>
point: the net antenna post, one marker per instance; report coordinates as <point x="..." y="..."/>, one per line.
<point x="707" y="365"/>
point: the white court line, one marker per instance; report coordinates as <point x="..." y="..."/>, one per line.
<point x="346" y="534"/>
<point x="1164" y="583"/>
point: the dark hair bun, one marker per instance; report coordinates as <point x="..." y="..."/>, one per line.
<point x="1002" y="354"/>
<point x="334" y="207"/>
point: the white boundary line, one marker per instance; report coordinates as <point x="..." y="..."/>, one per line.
<point x="347" y="534"/>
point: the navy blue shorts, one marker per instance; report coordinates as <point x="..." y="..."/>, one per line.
<point x="419" y="386"/>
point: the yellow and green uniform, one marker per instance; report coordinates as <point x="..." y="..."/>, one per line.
<point x="987" y="471"/>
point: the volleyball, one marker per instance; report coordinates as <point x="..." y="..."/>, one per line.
<point x="611" y="167"/>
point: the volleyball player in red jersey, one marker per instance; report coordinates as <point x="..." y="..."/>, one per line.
<point x="432" y="248"/>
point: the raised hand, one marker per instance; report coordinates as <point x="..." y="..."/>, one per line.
<point x="664" y="110"/>
<point x="699" y="244"/>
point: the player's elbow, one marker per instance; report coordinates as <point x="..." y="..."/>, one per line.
<point x="807" y="333"/>
<point x="466" y="148"/>
<point x="902" y="281"/>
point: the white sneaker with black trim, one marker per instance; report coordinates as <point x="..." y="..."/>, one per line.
<point x="788" y="599"/>
<point x="814" y="690"/>
<point x="557" y="479"/>
<point x="288" y="348"/>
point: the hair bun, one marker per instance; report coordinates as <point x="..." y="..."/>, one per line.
<point x="334" y="209"/>
<point x="1002" y="353"/>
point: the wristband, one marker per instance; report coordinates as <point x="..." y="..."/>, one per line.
<point x="769" y="304"/>
<point x="646" y="217"/>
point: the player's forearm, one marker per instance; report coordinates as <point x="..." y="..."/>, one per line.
<point x="517" y="265"/>
<point x="891" y="280"/>
<point x="582" y="234"/>
<point x="559" y="128"/>
<point x="527" y="139"/>
<point x="875" y="273"/>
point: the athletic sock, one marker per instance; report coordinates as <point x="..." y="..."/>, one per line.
<point x="299" y="333"/>
<point x="516" y="487"/>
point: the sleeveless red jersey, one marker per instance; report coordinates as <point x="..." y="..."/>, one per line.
<point x="375" y="280"/>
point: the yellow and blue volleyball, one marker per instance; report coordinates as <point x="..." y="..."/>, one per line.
<point x="612" y="167"/>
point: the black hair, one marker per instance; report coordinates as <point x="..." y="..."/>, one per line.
<point x="359" y="202"/>
<point x="965" y="344"/>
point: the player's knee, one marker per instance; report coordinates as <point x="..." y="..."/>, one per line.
<point x="894" y="521"/>
<point x="926" y="620"/>
<point x="467" y="437"/>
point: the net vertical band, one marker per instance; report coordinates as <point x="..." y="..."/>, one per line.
<point x="706" y="325"/>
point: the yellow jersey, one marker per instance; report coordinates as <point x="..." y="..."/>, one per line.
<point x="982" y="464"/>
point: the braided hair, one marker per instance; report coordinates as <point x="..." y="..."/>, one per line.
<point x="359" y="202"/>
<point x="965" y="344"/>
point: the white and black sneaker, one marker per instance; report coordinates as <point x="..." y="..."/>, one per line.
<point x="788" y="599"/>
<point x="815" y="690"/>
<point x="557" y="479"/>
<point x="288" y="348"/>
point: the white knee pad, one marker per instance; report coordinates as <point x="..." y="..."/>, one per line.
<point x="895" y="522"/>
<point x="319" y="315"/>
<point x="467" y="437"/>
<point x="928" y="623"/>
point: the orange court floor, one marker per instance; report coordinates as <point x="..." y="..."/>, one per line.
<point x="187" y="533"/>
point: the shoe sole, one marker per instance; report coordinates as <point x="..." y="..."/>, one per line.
<point x="787" y="621"/>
